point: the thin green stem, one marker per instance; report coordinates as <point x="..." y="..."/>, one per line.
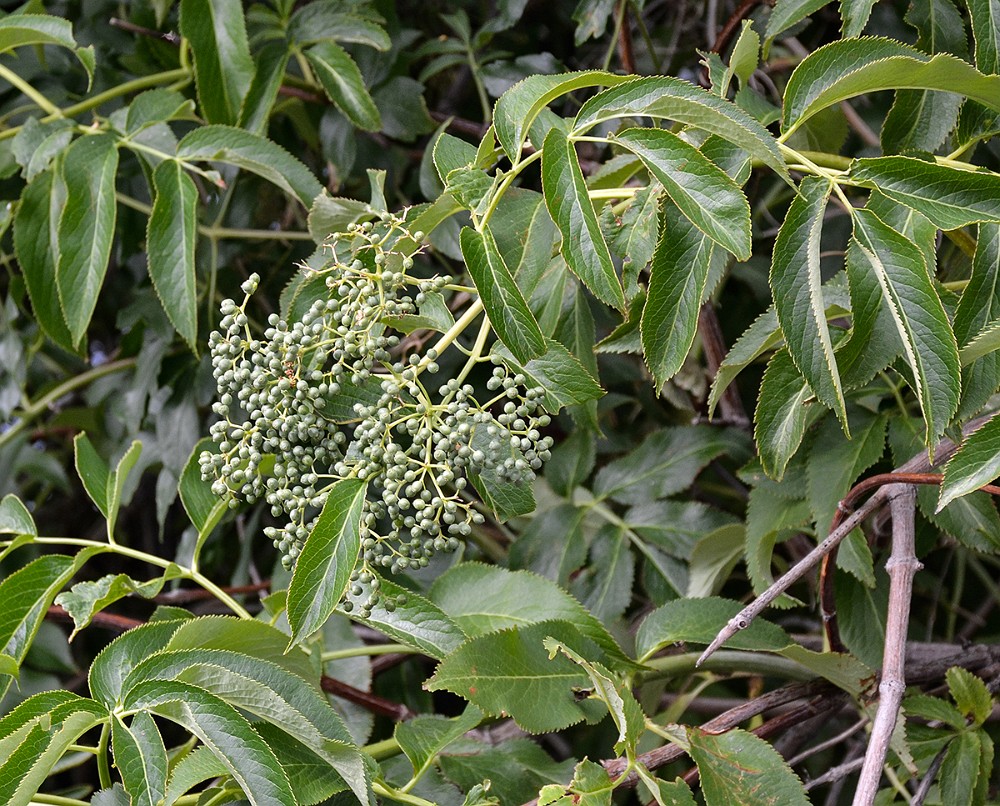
<point x="453" y="333"/>
<point x="55" y="800"/>
<point x="504" y="184"/>
<point x="26" y="415"/>
<point x="185" y="573"/>
<point x="361" y="651"/>
<point x="223" y="233"/>
<point x="38" y="98"/>
<point x="103" y="767"/>
<point x="109" y="95"/>
<point x="729" y="661"/>
<point x="397" y="795"/>
<point x="387" y="748"/>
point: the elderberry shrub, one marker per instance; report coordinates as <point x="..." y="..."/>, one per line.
<point x="329" y="397"/>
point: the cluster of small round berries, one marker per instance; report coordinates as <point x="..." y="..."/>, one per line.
<point x="328" y="397"/>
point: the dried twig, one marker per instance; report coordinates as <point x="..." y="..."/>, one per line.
<point x="918" y="464"/>
<point x="902" y="566"/>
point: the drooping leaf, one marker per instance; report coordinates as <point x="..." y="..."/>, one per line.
<point x="141" y="758"/>
<point x="323" y="569"/>
<point x="677" y="278"/>
<point x="560" y="374"/>
<point x="414" y="621"/>
<point x="675" y="99"/>
<point x="85" y="599"/>
<point x="342" y="80"/>
<point x="583" y="244"/>
<point x="614" y="693"/>
<point x="702" y="191"/>
<point x="855" y="14"/>
<point x="788" y="13"/>
<point x="170" y="245"/>
<point x="37" y="248"/>
<point x="21" y="30"/>
<point x="977" y="462"/>
<point x="781" y="414"/>
<point x="797" y="288"/>
<point x="923" y="326"/>
<point x="223" y="67"/>
<point x="736" y="767"/>
<point x="221" y="727"/>
<point x="252" y="153"/>
<point x="948" y="197"/>
<point x="15" y="519"/>
<point x="505" y="306"/>
<point x="86" y="227"/>
<point x="979" y="306"/>
<point x="518" y="107"/>
<point x="849" y="67"/>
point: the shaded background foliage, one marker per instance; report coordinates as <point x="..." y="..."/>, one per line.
<point x="712" y="522"/>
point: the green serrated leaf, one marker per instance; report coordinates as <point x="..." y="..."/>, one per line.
<point x="484" y="598"/>
<point x="855" y="14"/>
<point x="614" y="693"/>
<point x="223" y="67"/>
<point x="950" y="198"/>
<point x="583" y="244"/>
<point x="421" y="739"/>
<point x="518" y="107"/>
<point x="970" y="693"/>
<point x="698" y="621"/>
<point x="850" y="67"/>
<point x="662" y="97"/>
<point x="344" y="84"/>
<point x="702" y="191"/>
<point x="86" y="227"/>
<point x="415" y="621"/>
<point x="141" y="758"/>
<point x="559" y="373"/>
<point x="737" y="767"/>
<point x="115" y="662"/>
<point x="85" y="599"/>
<point x="15" y="519"/>
<point x="797" y="288"/>
<point x="505" y="306"/>
<point x="960" y="769"/>
<point x="781" y="414"/>
<point x="36" y="245"/>
<point x="271" y="63"/>
<point x="977" y="462"/>
<point x="921" y="322"/>
<point x="787" y="13"/>
<point x="170" y="246"/>
<point x="221" y="727"/>
<point x="323" y="569"/>
<point x="510" y="672"/>
<point x="252" y="153"/>
<point x="20" y="30"/>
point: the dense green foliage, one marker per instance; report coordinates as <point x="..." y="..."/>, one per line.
<point x="373" y="390"/>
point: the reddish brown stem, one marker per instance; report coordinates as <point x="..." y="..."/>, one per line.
<point x="625" y="53"/>
<point x="827" y="598"/>
<point x="377" y="705"/>
<point x="107" y="620"/>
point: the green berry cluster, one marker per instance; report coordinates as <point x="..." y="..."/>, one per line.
<point x="283" y="436"/>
